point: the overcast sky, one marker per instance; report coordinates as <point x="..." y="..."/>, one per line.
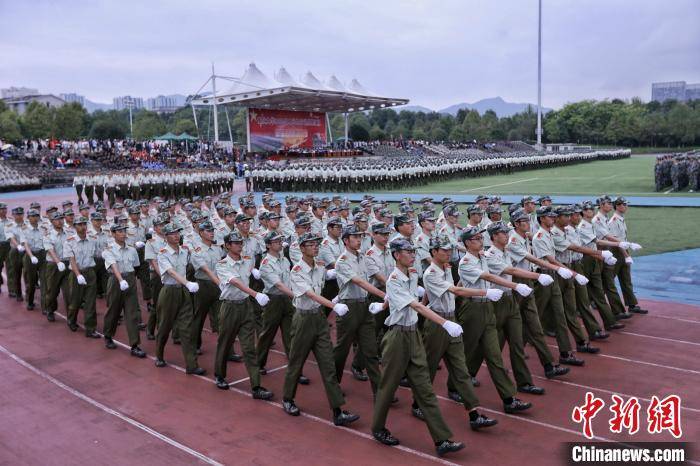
<point x="436" y="53"/>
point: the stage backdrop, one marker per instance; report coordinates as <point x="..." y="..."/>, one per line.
<point x="271" y="130"/>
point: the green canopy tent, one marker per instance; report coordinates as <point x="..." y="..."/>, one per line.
<point x="186" y="137"/>
<point x="167" y="137"/>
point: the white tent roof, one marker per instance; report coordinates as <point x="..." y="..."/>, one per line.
<point x="255" y="89"/>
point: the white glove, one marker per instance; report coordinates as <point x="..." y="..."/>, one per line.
<point x="256" y="273"/>
<point x="285" y="244"/>
<point x="453" y="328"/>
<point x="151" y="230"/>
<point x="139" y="244"/>
<point x="34" y="260"/>
<point x="376" y="308"/>
<point x="580" y="279"/>
<point x="81" y="280"/>
<point x="123" y="285"/>
<point x="420" y="291"/>
<point x="564" y="273"/>
<point x="545" y="280"/>
<point x="341" y="309"/>
<point x="192" y="287"/>
<point x="330" y="274"/>
<point x="335" y="300"/>
<point x="635" y="246"/>
<point x="624" y="245"/>
<point x="61" y="266"/>
<point x="523" y="289"/>
<point x="611" y="261"/>
<point x="494" y="294"/>
<point x="20" y="248"/>
<point x="606" y="254"/>
<point x="629" y="260"/>
<point x="262" y="299"/>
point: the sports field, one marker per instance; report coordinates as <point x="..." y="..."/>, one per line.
<point x="630" y="177"/>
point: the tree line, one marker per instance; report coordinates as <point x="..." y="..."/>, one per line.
<point x="608" y="122"/>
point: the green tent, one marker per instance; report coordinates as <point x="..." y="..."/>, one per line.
<point x="167" y="137"/>
<point x="186" y="137"/>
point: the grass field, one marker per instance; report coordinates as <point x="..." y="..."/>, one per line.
<point x="630" y="177"/>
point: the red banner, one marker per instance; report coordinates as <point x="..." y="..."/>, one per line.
<point x="272" y="130"/>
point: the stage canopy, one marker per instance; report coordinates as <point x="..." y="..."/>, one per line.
<point x="283" y="92"/>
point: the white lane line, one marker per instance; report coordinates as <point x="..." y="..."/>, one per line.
<point x="688" y="321"/>
<point x="270" y="371"/>
<point x="672" y="340"/>
<point x="109" y="410"/>
<point x="303" y="414"/>
<point x="610" y="177"/>
<point x="646" y="363"/>
<point x="479" y="188"/>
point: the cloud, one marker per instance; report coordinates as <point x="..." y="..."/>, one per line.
<point x="434" y="53"/>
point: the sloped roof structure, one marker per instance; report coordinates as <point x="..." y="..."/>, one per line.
<point x="283" y="92"/>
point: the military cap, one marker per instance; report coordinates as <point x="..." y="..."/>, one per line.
<point x="134" y="210"/>
<point x="469" y="232"/>
<point x="441" y="242"/>
<point x="474" y="209"/>
<point x="480" y="198"/>
<point x="196" y="198"/>
<point x="80" y="220"/>
<point x="273" y="236"/>
<point x="493" y="209"/>
<point x="526" y="199"/>
<point x="264" y="215"/>
<point x="273" y="216"/>
<point x="620" y="200"/>
<point x="308" y="237"/>
<point x="33" y="213"/>
<point x="18" y="211"/>
<point x="603" y="199"/>
<point x="546" y="211"/>
<point x="512" y="208"/>
<point x="381" y="229"/>
<point x="401" y="244"/>
<point x="498" y="227"/>
<point x="365" y="203"/>
<point x="248" y="204"/>
<point x="290" y="208"/>
<point x="495" y="200"/>
<point x="56" y="216"/>
<point x="332" y="208"/>
<point x="334" y="222"/>
<point x="118" y="205"/>
<point x="344" y="206"/>
<point x="161" y="219"/>
<point x="563" y="210"/>
<point x="401" y="219"/>
<point x="336" y="198"/>
<point x="96" y="216"/>
<point x="268" y="191"/>
<point x="543" y="198"/>
<point x="65" y="203"/>
<point x="101" y="208"/>
<point x="423" y="200"/>
<point x="446" y="200"/>
<point x="302" y="220"/>
<point x="351" y="230"/>
<point x="577" y="208"/>
<point x="229" y="210"/>
<point x="83" y="207"/>
<point x="68" y="212"/>
<point x="587" y="205"/>
<point x="386" y="213"/>
<point x="360" y="217"/>
<point x="356" y="210"/>
<point x="404" y="209"/>
<point x="451" y="211"/>
<point x="36" y="205"/>
<point x="128" y="202"/>
<point x="519" y="215"/>
<point x="242" y="218"/>
<point x="274" y="203"/>
<point x="117" y="227"/>
<point x="196" y="217"/>
<point x="4" y="206"/>
<point x="171" y="228"/>
<point x="426" y="217"/>
<point x="233" y="237"/>
<point x="206" y="226"/>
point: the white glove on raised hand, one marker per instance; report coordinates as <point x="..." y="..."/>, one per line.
<point x="545" y="280"/>
<point x="420" y="291"/>
<point x="123" y="285"/>
<point x="256" y="274"/>
<point x="523" y="289"/>
<point x="452" y="328"/>
<point x="20" y="248"/>
<point x="494" y="294"/>
<point x="580" y="279"/>
<point x="565" y="273"/>
<point x="34" y="260"/>
<point x="192" y="287"/>
<point x="341" y="309"/>
<point x="606" y="254"/>
<point x="376" y="308"/>
<point x="629" y="260"/>
<point x="285" y="244"/>
<point x="262" y="299"/>
<point x="335" y="300"/>
<point x="61" y="266"/>
<point x="330" y="274"/>
<point x="610" y="261"/>
<point x="81" y="280"/>
<point x="624" y="245"/>
<point x="139" y="244"/>
<point x="635" y="246"/>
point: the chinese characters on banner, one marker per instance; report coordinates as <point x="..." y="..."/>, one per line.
<point x="272" y="130"/>
<point x="661" y="415"/>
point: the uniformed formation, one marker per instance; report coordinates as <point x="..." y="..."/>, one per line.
<point x="404" y="172"/>
<point x="678" y="171"/>
<point x="12" y="180"/>
<point x="407" y="289"/>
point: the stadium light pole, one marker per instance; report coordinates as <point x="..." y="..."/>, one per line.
<point x="216" y="117"/>
<point x="539" y="76"/>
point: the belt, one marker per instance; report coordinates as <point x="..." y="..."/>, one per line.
<point x="276" y="295"/>
<point x="176" y="285"/>
<point x="87" y="269"/>
<point x="316" y="310"/>
<point x="403" y="328"/>
<point x="479" y="299"/>
<point x="235" y="301"/>
<point x="445" y="315"/>
<point x="576" y="261"/>
<point x="125" y="274"/>
<point x="353" y="300"/>
<point x="547" y="271"/>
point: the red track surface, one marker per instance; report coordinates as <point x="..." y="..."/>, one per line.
<point x="67" y="400"/>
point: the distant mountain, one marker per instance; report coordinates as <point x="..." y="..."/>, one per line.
<point x="414" y="108"/>
<point x="91" y="106"/>
<point x="497" y="104"/>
